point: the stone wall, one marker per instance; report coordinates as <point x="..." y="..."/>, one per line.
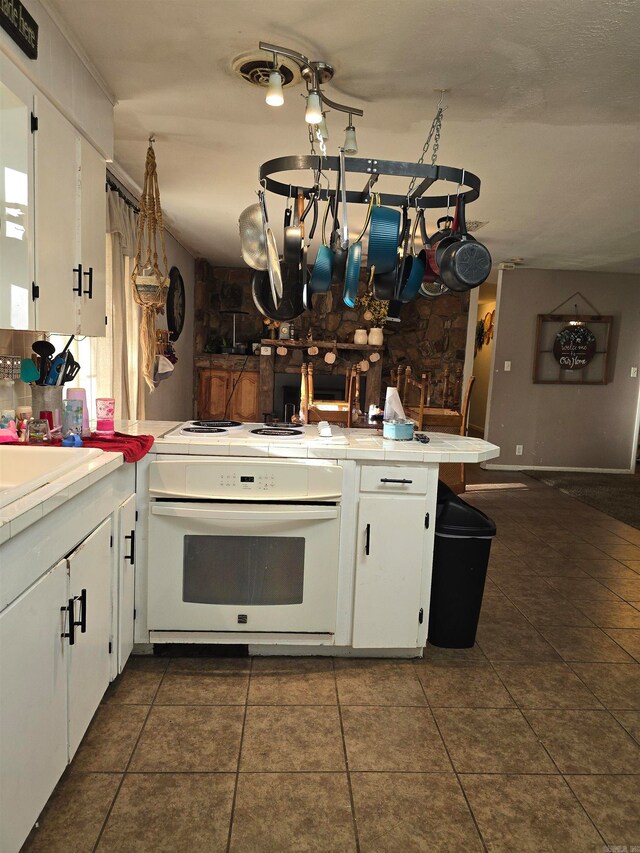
<point x="431" y="335"/>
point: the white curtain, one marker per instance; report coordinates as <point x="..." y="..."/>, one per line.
<point x="127" y="386"/>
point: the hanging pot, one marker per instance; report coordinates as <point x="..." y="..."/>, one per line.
<point x="354" y="259"/>
<point x="273" y="260"/>
<point x="252" y="245"/>
<point x="465" y="264"/>
<point x="385" y="284"/>
<point x="384" y="233"/>
<point x="320" y="281"/>
<point x="413" y="266"/>
<point x="442" y="244"/>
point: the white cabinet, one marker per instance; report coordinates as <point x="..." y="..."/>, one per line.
<point x="33" y="703"/>
<point x="90" y="572"/>
<point x="126" y="579"/>
<point x="70" y="228"/>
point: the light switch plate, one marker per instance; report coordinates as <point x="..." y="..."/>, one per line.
<point x="634" y="372"/>
<point x="507" y="366"/>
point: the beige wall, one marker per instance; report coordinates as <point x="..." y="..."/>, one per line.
<point x="593" y="426"/>
<point x="481" y="371"/>
<point x="172" y="400"/>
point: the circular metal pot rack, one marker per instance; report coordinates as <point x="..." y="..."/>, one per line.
<point x="425" y="175"/>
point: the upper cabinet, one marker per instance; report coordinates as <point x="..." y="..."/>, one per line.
<point x="53" y="216"/>
<point x="16" y="200"/>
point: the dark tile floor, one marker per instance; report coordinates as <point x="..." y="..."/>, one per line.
<point x="529" y="741"/>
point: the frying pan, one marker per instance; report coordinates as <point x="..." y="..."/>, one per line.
<point x="288" y="308"/>
<point x="273" y="261"/>
<point x="383" y="238"/>
<point x="410" y="281"/>
<point x="465" y="264"/>
<point x="385" y="284"/>
<point x="322" y="269"/>
<point x="354" y="258"/>
<point x="293" y="232"/>
<point x="441" y="245"/>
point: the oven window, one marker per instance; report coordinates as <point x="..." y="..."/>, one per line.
<point x="243" y="570"/>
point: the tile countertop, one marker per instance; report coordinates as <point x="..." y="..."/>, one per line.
<point x="350" y="444"/>
<point x="20" y="514"/>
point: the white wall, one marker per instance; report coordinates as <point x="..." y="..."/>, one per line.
<point x="173" y="398"/>
<point x="564" y="426"/>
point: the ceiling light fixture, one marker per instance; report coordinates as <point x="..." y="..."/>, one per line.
<point x="316" y="73"/>
<point x="350" y="142"/>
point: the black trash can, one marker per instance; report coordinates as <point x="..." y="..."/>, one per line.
<point x="460" y="559"/>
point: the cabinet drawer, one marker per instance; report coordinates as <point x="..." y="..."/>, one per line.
<point x="393" y="480"/>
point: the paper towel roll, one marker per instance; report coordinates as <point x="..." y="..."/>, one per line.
<point x="392" y="405"/>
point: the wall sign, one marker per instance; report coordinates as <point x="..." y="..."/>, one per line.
<point x="572" y="350"/>
<point x="22" y="28"/>
<point x="574" y="347"/>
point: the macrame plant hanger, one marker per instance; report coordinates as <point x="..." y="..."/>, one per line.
<point x="150" y="284"/>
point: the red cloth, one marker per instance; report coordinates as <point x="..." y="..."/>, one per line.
<point x="132" y="447"/>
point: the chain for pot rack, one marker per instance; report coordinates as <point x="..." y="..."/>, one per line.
<point x="436" y="127"/>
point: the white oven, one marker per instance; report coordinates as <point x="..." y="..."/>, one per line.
<point x="243" y="545"/>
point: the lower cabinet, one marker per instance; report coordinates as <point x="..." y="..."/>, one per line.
<point x="126" y="579"/>
<point x="230" y="394"/>
<point x="389" y="571"/>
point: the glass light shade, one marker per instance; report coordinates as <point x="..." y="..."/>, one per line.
<point x="313" y="114"/>
<point x="275" y="96"/>
<point x="322" y="127"/>
<point x="350" y="144"/>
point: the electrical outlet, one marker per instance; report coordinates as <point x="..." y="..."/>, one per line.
<point x="634" y="372"/>
<point x="518" y="450"/>
<point x="507" y="366"/>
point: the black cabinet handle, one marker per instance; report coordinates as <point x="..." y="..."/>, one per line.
<point x="83" y="611"/>
<point x="78" y="288"/>
<point x="389" y="480"/>
<point x="367" y="541"/>
<point x="89" y="291"/>
<point x="71" y="633"/>
<point x="132" y="555"/>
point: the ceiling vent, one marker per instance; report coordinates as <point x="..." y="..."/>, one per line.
<point x="256" y="66"/>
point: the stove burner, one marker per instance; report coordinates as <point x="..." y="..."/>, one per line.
<point x="275" y="431"/>
<point x="214" y="424"/>
<point x="200" y="430"/>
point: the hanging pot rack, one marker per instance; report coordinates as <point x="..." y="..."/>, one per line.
<point x="426" y="175"/>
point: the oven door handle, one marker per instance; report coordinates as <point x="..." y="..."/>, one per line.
<point x="262" y="513"/>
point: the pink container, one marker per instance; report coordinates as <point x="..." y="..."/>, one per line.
<point x="81" y="394"/>
<point x="105" y="412"/>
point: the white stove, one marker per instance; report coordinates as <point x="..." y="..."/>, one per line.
<point x="209" y="430"/>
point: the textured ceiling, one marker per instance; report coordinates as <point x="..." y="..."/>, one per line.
<point x="544" y="107"/>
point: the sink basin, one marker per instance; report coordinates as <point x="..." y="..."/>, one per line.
<point x="24" y="469"/>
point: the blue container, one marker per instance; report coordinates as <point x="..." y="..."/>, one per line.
<point x="398" y="430"/>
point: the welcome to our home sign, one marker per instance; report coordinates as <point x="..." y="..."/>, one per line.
<point x="22" y="28"/>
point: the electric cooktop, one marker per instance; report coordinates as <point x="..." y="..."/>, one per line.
<point x="233" y="429"/>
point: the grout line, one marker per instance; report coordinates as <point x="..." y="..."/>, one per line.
<point x="123" y="776"/>
<point x="346" y="760"/>
<point x="237" y="779"/>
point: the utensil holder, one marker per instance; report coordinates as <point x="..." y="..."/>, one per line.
<point x="47" y="398"/>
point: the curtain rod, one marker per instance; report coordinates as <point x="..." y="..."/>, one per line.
<point x="115" y="185"/>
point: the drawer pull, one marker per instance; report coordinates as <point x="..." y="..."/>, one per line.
<point x="132" y="555"/>
<point x="367" y="540"/>
<point x="78" y="288"/>
<point x="389" y="480"/>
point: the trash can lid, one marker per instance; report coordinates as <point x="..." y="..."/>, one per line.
<point x="455" y="517"/>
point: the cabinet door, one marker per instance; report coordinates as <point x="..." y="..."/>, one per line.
<point x="212" y="393"/>
<point x="16" y="199"/>
<point x="389" y="563"/>
<point x="33" y="704"/>
<point x="56" y="244"/>
<point x="246" y="396"/>
<point x="93" y="229"/>
<point x="126" y="579"/>
<point x="90" y="572"/>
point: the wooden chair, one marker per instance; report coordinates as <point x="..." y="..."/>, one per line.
<point x="453" y="473"/>
<point x="334" y="411"/>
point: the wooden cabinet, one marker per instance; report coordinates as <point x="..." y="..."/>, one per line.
<point x="70" y="227"/>
<point x="126" y="579"/>
<point x="33" y="703"/>
<point x="235" y="391"/>
<point x="90" y="572"/>
<point x="396" y="516"/>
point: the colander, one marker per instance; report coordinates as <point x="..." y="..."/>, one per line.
<point x="252" y="240"/>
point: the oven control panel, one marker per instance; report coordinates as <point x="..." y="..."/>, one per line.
<point x="251" y="479"/>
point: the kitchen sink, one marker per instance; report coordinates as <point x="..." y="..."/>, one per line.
<point x="24" y="469"/>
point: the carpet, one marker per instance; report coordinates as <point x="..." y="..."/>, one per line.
<point x="617" y="495"/>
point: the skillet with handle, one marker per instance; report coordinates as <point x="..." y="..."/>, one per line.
<point x="465" y="263"/>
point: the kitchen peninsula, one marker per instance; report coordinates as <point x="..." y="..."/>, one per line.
<point x="286" y="540"/>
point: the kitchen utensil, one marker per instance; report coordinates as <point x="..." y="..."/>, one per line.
<point x="28" y="371"/>
<point x="44" y="349"/>
<point x="54" y="377"/>
<point x="293" y="232"/>
<point x="432" y="289"/>
<point x="410" y="281"/>
<point x="273" y="260"/>
<point x="340" y="236"/>
<point x="287" y="309"/>
<point x="383" y="238"/>
<point x="354" y="258"/>
<point x="71" y="371"/>
<point x="252" y="242"/>
<point x="465" y="264"/>
<point x="320" y="281"/>
<point x="441" y="245"/>
<point x="385" y="285"/>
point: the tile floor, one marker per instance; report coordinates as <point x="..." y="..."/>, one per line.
<point x="529" y="741"/>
